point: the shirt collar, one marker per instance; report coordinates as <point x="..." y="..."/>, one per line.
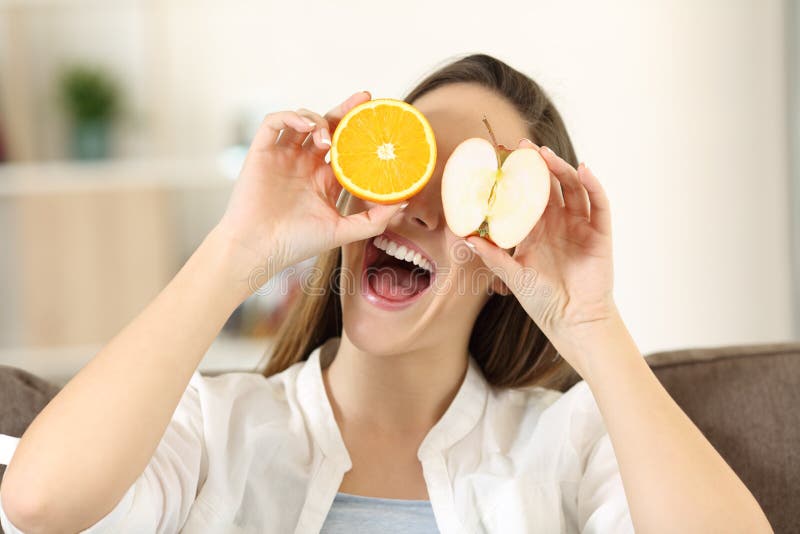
<point x="461" y="416"/>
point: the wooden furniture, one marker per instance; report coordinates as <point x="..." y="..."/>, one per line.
<point x="87" y="245"/>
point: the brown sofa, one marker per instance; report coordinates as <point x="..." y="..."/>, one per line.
<point x="745" y="400"/>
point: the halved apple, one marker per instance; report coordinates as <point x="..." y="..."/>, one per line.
<point x="494" y="192"/>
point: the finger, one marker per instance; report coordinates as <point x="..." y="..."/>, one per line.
<point x="495" y="258"/>
<point x="292" y="137"/>
<point x="319" y="141"/>
<point x="576" y="200"/>
<point x="335" y="115"/>
<point x="600" y="217"/>
<point x="332" y="187"/>
<point x="556" y="194"/>
<point x="365" y="224"/>
<point x="523" y="281"/>
<point x="271" y="127"/>
<point x="527" y="143"/>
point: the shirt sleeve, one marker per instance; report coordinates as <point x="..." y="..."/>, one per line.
<point x="602" y="504"/>
<point x="161" y="497"/>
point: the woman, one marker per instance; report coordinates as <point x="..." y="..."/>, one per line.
<point x="438" y="411"/>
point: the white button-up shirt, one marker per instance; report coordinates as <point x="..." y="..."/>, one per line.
<point x="249" y="454"/>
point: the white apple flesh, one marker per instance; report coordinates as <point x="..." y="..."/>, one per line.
<point x="503" y="200"/>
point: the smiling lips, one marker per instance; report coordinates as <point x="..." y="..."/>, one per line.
<point x="396" y="272"/>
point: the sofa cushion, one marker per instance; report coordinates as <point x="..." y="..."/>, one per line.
<point x="746" y="401"/>
<point x="22" y="396"/>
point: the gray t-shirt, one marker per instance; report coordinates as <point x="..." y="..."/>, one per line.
<point x="366" y="515"/>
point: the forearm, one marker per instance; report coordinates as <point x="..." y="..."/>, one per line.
<point x="91" y="442"/>
<point x="674" y="480"/>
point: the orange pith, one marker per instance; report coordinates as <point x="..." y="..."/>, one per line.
<point x="383" y="151"/>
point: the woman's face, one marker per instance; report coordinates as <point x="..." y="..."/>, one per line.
<point x="390" y="305"/>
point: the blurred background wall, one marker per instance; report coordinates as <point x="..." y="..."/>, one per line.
<point x="680" y="107"/>
<point x="793" y="34"/>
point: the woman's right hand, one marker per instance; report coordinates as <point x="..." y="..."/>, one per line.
<point x="283" y="207"/>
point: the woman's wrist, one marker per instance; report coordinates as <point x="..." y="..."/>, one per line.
<point x="237" y="270"/>
<point x="583" y="344"/>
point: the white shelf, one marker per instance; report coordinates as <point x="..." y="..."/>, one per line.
<point x="30" y="4"/>
<point x="75" y="176"/>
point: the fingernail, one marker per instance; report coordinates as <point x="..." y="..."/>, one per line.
<point x="470" y="245"/>
<point x="527" y="140"/>
<point x="403" y="205"/>
<point x="368" y="93"/>
<point x="324" y="136"/>
<point x="311" y="123"/>
<point x="549" y="150"/>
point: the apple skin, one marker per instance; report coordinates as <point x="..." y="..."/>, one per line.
<point x="489" y="184"/>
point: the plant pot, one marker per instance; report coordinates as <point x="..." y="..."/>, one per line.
<point x="90" y="139"/>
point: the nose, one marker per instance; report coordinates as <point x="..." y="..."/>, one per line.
<point x="424" y="209"/>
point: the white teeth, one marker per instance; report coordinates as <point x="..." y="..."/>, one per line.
<point x="401" y="252"/>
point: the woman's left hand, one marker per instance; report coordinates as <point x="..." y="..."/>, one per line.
<point x="562" y="272"/>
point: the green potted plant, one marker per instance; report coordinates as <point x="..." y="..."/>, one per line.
<point x="91" y="99"/>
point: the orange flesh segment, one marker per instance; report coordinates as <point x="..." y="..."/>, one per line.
<point x="384" y="151"/>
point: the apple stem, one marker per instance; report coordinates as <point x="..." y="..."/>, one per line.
<point x="489" y="127"/>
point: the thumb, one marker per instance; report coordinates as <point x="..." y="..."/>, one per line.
<point x="366" y="224"/>
<point x="495" y="258"/>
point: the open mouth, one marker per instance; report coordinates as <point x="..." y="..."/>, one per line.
<point x="396" y="273"/>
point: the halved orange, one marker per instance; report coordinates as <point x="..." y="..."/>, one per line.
<point x="383" y="151"/>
